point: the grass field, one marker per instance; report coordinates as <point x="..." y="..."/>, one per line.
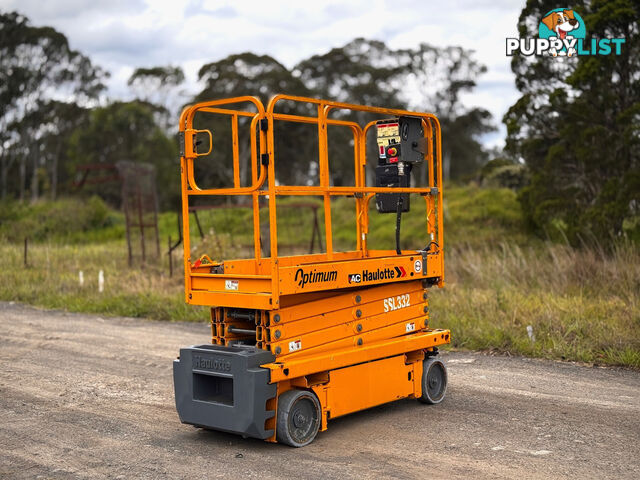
<point x="582" y="305"/>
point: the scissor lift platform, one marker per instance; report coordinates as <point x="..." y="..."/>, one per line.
<point x="302" y="274"/>
<point x="297" y="340"/>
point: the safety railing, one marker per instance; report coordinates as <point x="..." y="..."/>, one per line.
<point x="263" y="173"/>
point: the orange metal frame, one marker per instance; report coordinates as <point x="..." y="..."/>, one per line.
<point x="265" y="280"/>
<point x="352" y="352"/>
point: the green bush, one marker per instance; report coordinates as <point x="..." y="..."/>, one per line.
<point x="503" y="173"/>
<point x="64" y="220"/>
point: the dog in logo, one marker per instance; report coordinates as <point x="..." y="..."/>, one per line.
<point x="561" y="23"/>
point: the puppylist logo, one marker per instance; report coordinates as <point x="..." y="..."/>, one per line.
<point x="562" y="33"/>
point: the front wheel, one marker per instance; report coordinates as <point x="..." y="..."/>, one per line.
<point x="298" y="418"/>
<point x="434" y="381"/>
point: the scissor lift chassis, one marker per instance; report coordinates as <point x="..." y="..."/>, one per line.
<point x="248" y="405"/>
<point x="299" y="340"/>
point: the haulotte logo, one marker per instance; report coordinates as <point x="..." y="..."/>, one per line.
<point x="563" y="33"/>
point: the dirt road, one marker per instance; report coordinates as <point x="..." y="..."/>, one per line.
<point x="88" y="397"/>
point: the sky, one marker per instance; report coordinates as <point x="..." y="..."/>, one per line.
<point x="120" y="35"/>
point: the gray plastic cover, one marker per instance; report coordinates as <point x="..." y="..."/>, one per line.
<point x="224" y="388"/>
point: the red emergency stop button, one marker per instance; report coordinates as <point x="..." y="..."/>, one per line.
<point x="393" y="151"/>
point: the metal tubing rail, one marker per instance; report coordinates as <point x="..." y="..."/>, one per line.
<point x="361" y="192"/>
<point x="324" y="107"/>
<point x="189" y="187"/>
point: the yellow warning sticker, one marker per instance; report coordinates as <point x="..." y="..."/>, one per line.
<point x="388" y="130"/>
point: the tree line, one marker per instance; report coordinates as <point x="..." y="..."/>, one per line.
<point x="575" y="129"/>
<point x="55" y="114"/>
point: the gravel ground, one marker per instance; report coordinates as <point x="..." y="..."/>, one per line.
<point x="88" y="397"/>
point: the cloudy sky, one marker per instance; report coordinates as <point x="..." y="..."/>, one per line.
<point x="121" y="35"/>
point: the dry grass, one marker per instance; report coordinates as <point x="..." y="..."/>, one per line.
<point x="51" y="280"/>
<point x="583" y="305"/>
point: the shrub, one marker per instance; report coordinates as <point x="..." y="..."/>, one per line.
<point x="60" y="220"/>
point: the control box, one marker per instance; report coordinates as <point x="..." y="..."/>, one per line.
<point x="399" y="141"/>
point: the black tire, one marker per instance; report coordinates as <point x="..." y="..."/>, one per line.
<point x="298" y="418"/>
<point x="434" y="381"/>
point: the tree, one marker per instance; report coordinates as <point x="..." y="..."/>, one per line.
<point x="44" y="132"/>
<point x="61" y="120"/>
<point x="126" y="131"/>
<point x="38" y="69"/>
<point x="247" y="74"/>
<point x="365" y="72"/>
<point x="437" y="79"/>
<point x="425" y="79"/>
<point x="159" y="86"/>
<point x="250" y="74"/>
<point x="576" y="125"/>
<point x="362" y="72"/>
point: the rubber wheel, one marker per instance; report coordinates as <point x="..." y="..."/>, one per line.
<point x="434" y="381"/>
<point x="298" y="418"/>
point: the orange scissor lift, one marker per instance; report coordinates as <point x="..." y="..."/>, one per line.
<point x="297" y="340"/>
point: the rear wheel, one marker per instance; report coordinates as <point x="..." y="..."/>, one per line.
<point x="434" y="381"/>
<point x="298" y="418"/>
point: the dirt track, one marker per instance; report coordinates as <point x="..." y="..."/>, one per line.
<point x="87" y="397"/>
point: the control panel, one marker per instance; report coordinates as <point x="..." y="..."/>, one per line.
<point x="399" y="141"/>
